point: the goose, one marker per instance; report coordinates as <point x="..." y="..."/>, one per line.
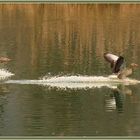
<point x="118" y="65"/>
<point x="127" y="71"/>
<point x="4" y="59"/>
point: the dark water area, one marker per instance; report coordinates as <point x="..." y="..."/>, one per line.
<point x="68" y="39"/>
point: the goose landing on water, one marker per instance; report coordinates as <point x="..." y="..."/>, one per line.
<point x="118" y="65"/>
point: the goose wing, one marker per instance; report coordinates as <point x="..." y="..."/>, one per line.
<point x="117" y="62"/>
<point x="119" y="65"/>
<point x="110" y="57"/>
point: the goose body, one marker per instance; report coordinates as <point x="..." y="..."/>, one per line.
<point x="127" y="71"/>
<point x="4" y="59"/>
<point x="124" y="73"/>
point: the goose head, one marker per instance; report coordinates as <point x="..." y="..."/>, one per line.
<point x="133" y="65"/>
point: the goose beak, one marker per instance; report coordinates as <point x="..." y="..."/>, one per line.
<point x="136" y="65"/>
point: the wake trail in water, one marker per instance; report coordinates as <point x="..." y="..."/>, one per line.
<point x="78" y="81"/>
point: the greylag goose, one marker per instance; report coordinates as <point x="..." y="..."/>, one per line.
<point x="4" y="59"/>
<point x="118" y="65"/>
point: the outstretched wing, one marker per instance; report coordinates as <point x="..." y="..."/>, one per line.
<point x="110" y="57"/>
<point x="120" y="64"/>
<point x="117" y="63"/>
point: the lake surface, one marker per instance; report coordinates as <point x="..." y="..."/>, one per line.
<point x="54" y="40"/>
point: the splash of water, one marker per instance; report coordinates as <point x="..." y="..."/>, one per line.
<point x="78" y="81"/>
<point x="4" y="74"/>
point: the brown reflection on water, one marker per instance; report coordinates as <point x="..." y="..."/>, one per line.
<point x="67" y="37"/>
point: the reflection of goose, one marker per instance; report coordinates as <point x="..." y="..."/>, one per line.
<point x="115" y="100"/>
<point x="4" y="59"/>
<point x="118" y="65"/>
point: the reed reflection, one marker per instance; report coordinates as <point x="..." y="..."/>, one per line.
<point x="4" y="91"/>
<point x="67" y="38"/>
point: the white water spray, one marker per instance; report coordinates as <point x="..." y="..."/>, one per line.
<point x="78" y="81"/>
<point x="4" y="74"/>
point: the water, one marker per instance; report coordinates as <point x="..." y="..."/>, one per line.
<point x="58" y="83"/>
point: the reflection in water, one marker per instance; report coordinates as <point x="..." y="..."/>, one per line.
<point x="4" y="90"/>
<point x="67" y="38"/>
<point x="116" y="99"/>
<point x="110" y="103"/>
<point x="119" y="99"/>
